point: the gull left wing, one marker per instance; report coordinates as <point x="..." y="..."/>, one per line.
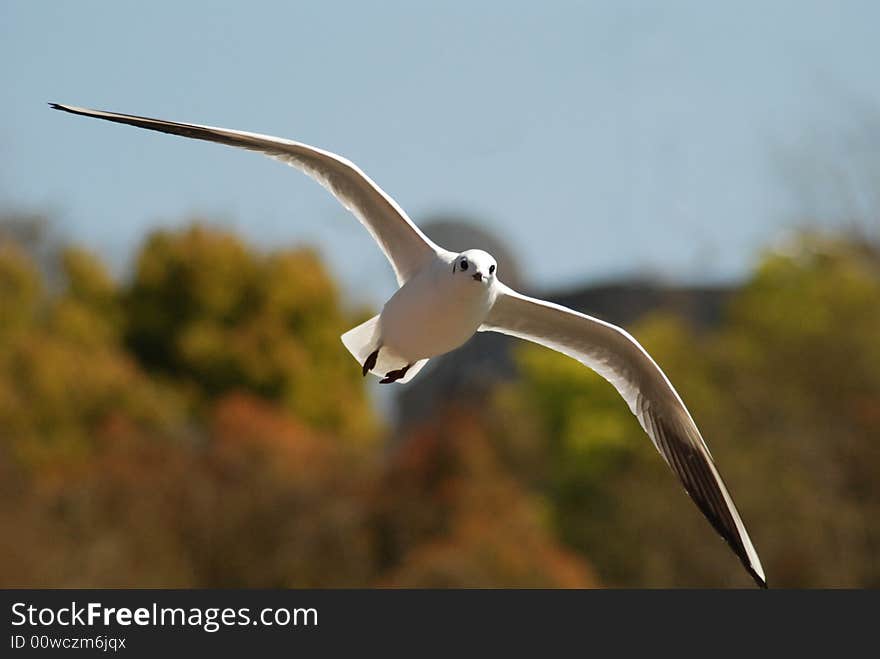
<point x="618" y="357"/>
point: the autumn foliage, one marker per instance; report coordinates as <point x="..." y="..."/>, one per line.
<point x="198" y="423"/>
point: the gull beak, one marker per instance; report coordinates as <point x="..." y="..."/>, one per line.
<point x="478" y="276"/>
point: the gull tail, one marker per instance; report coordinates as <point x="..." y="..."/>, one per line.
<point x="362" y="340"/>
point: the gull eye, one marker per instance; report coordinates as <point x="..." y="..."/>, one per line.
<point x="491" y="269"/>
<point x="464" y="264"/>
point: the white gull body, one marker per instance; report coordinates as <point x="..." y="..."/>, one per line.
<point x="434" y="312"/>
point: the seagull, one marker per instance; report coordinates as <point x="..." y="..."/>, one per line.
<point x="445" y="297"/>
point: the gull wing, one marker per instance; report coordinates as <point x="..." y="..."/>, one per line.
<point x="618" y="357"/>
<point x="405" y="246"/>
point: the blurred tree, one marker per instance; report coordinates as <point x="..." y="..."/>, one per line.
<point x="255" y="500"/>
<point x="277" y="490"/>
<point x="89" y="308"/>
<point x="803" y="357"/>
<point x="205" y="308"/>
<point x="33" y="234"/>
<point x="66" y="374"/>
<point x="20" y="289"/>
<point x="117" y="482"/>
<point x="450" y="515"/>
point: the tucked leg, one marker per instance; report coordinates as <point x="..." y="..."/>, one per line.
<point x="370" y="363"/>
<point x="394" y="376"/>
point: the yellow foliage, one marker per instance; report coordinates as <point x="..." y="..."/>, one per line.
<point x="20" y="288"/>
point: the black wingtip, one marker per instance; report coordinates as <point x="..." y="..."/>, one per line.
<point x="65" y="108"/>
<point x="759" y="580"/>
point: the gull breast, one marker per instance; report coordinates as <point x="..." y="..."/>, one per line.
<point x="433" y="313"/>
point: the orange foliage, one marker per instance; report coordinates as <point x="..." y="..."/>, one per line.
<point x="453" y="517"/>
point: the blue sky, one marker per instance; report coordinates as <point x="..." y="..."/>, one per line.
<point x="598" y="139"/>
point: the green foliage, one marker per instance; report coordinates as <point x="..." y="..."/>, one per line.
<point x="205" y="308"/>
<point x="63" y="373"/>
<point x="20" y="289"/>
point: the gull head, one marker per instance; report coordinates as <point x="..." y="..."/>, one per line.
<point x="475" y="264"/>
